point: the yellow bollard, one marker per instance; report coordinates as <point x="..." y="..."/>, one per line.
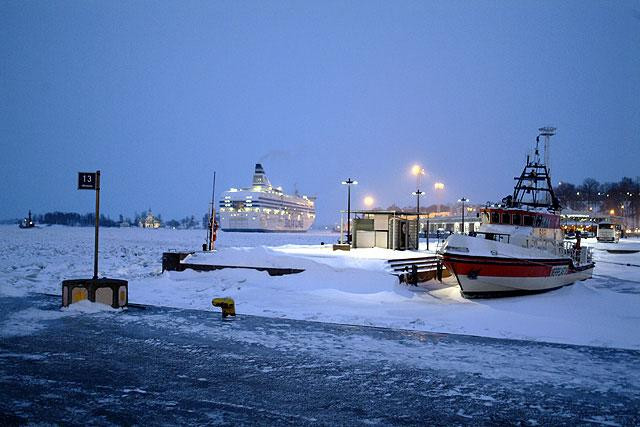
<point x="227" y="304"/>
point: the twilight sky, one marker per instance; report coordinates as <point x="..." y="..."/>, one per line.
<point x="159" y="94"/>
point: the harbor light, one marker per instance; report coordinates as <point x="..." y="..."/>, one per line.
<point x="368" y="201"/>
<point x="438" y="186"/>
<point x="612" y="212"/>
<point x="349" y="182"/>
<point x="417" y="170"/>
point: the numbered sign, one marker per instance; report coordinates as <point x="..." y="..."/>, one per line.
<point x="87" y="181"/>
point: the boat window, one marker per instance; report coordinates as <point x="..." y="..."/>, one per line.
<point x="527" y="220"/>
<point x="537" y="221"/>
<point x="515" y="219"/>
<point x="544" y="222"/>
<point x="485" y="218"/>
<point x="605" y="226"/>
<point x="495" y="218"/>
<point x="506" y="218"/>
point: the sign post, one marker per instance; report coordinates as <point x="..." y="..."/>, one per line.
<point x="91" y="181"/>
<point x="113" y="292"/>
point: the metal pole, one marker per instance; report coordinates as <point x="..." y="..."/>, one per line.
<point x="463" y="216"/>
<point x="349" y="211"/>
<point x="418" y="218"/>
<point x="427" y="234"/>
<point x="95" y="252"/>
<point x="212" y="216"/>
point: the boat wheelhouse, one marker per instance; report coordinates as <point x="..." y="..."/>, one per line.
<point x="519" y="247"/>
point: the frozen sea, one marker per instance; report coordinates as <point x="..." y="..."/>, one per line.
<point x="353" y="288"/>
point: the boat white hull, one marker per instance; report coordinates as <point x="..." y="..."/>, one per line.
<point x="505" y="285"/>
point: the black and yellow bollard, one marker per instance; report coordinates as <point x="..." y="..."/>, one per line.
<point x="227" y="305"/>
<point x="113" y="292"/>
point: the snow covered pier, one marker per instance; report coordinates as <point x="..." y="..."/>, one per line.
<point x="411" y="269"/>
<point x="173" y="261"/>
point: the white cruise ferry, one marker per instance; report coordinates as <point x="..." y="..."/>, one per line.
<point x="263" y="207"/>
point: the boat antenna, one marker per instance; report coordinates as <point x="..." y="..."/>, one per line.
<point x="547" y="132"/>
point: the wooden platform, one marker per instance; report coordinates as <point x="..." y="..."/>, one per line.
<point x="417" y="270"/>
<point x="172" y="261"/>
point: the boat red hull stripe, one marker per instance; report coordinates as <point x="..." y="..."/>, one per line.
<point x="495" y="267"/>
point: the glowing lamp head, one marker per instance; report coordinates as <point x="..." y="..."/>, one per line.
<point x="368" y="201"/>
<point x="612" y="212"/>
<point x="417" y="170"/>
<point x="438" y="186"/>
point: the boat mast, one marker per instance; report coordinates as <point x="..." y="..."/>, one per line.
<point x="211" y="229"/>
<point x="547" y="132"/>
<point x="535" y="178"/>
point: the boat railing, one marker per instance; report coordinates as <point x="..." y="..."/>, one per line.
<point x="581" y="255"/>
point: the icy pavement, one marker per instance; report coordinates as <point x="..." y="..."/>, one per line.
<point x="352" y="288"/>
<point x="172" y="366"/>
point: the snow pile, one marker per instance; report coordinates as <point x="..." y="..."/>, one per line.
<point x="88" y="307"/>
<point x="341" y="287"/>
<point x="31" y="320"/>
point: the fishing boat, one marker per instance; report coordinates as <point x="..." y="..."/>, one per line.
<point x="519" y="247"/>
<point x="27" y="222"/>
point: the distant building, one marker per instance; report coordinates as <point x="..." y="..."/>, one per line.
<point x="150" y="221"/>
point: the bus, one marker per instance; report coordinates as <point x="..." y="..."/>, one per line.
<point x="609" y="231"/>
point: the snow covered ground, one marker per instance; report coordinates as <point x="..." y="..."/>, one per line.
<point x="338" y="287"/>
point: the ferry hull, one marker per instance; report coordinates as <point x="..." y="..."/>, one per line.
<point x="495" y="276"/>
<point x="263" y="223"/>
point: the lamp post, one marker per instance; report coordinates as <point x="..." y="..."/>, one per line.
<point x="349" y="182"/>
<point x="418" y="193"/>
<point x="438" y="186"/>
<point x="463" y="200"/>
<point x="418" y="171"/>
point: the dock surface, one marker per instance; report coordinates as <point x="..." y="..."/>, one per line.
<point x="171" y="366"/>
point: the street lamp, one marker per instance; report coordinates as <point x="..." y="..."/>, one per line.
<point x="368" y="201"/>
<point x="418" y="193"/>
<point x="463" y="200"/>
<point x="418" y="171"/>
<point x="349" y="182"/>
<point x="438" y="186"/>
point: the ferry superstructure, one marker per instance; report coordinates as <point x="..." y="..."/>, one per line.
<point x="520" y="246"/>
<point x="265" y="208"/>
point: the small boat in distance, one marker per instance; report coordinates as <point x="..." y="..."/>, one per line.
<point x="27" y="222"/>
<point x="520" y="246"/>
<point x="265" y="208"/>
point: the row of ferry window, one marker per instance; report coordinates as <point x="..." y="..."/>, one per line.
<point x="248" y="204"/>
<point x="266" y="210"/>
<point x="517" y="219"/>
